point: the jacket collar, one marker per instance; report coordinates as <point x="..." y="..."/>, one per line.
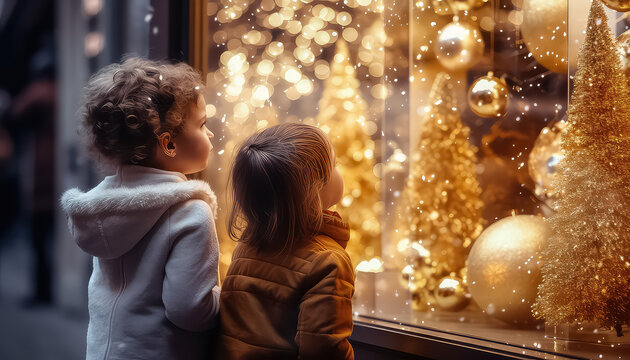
<point x="110" y="219"/>
<point x="334" y="227"/>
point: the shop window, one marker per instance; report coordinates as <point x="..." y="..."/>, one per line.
<point x="483" y="145"/>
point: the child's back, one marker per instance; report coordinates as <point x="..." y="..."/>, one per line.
<point x="139" y="225"/>
<point x="289" y="287"/>
<point x="153" y="292"/>
<point x="278" y="307"/>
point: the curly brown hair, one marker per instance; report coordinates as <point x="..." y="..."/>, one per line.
<point x="127" y="105"/>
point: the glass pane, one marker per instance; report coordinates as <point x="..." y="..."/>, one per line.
<point x="446" y="116"/>
<point x="317" y="62"/>
<point x="472" y="217"/>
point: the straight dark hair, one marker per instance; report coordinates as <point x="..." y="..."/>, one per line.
<point x="276" y="179"/>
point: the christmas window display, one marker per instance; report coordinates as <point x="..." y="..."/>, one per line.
<point x="483" y="145"/>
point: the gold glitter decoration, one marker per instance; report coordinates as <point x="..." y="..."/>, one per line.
<point x="459" y="46"/>
<point x="623" y="42"/>
<point x="504" y="267"/>
<point x="343" y="116"/>
<point x="546" y="34"/>
<point x="451" y="294"/>
<point x="445" y="7"/>
<point x="488" y="96"/>
<point x="440" y="205"/>
<point x="586" y="271"/>
<point x="619" y="5"/>
<point x="544" y="159"/>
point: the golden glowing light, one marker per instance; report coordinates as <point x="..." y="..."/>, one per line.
<point x="211" y="110"/>
<point x="261" y="93"/>
<point x="322" y="70"/>
<point x="344" y="18"/>
<point x="292" y="75"/>
<point x="379" y="91"/>
<point x="304" y="86"/>
<point x="241" y="110"/>
<point x="275" y="20"/>
<point x="275" y="48"/>
<point x="265" y="67"/>
<point x="322" y="37"/>
<point x="350" y="34"/>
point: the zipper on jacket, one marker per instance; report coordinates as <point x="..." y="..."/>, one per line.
<point x="111" y="315"/>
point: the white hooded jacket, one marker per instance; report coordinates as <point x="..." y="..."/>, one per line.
<point x="153" y="290"/>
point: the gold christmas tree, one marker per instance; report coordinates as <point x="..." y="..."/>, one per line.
<point x="586" y="269"/>
<point x="441" y="202"/>
<point x="343" y="116"/>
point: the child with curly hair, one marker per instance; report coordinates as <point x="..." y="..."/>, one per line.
<point x="153" y="292"/>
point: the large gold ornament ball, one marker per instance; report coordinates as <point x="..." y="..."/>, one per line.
<point x="451" y="294"/>
<point x="619" y="5"/>
<point x="449" y="7"/>
<point x="544" y="159"/>
<point x="488" y="96"/>
<point x="459" y="46"/>
<point x="504" y="267"/>
<point x="546" y="34"/>
<point x="623" y="42"/>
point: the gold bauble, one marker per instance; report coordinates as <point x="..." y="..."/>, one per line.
<point x="488" y="96"/>
<point x="504" y="267"/>
<point x="623" y="42"/>
<point x="443" y="7"/>
<point x="619" y="5"/>
<point x="545" y="32"/>
<point x="451" y="294"/>
<point x="543" y="160"/>
<point x="406" y="276"/>
<point x="416" y="260"/>
<point x="421" y="297"/>
<point x="413" y="253"/>
<point x="459" y="46"/>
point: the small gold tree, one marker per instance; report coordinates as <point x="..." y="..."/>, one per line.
<point x="342" y="114"/>
<point x="441" y="202"/>
<point x="586" y="269"/>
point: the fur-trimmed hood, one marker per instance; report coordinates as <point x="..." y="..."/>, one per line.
<point x="112" y="218"/>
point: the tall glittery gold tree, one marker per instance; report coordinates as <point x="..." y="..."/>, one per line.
<point x="441" y="202"/>
<point x="586" y="263"/>
<point x="343" y="116"/>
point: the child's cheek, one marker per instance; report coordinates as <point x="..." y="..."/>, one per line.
<point x="204" y="148"/>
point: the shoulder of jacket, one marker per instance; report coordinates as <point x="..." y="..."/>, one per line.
<point x="192" y="206"/>
<point x="328" y="258"/>
<point x="193" y="212"/>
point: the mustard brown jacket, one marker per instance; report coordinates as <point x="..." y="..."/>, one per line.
<point x="292" y="306"/>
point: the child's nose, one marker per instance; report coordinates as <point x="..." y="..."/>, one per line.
<point x="210" y="134"/>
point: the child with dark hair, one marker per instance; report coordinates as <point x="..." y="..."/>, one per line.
<point x="153" y="291"/>
<point x="289" y="287"/>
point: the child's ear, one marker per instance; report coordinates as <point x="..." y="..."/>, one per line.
<point x="165" y="142"/>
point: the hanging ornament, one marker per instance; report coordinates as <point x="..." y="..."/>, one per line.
<point x="451" y="294"/>
<point x="619" y="5"/>
<point x="459" y="45"/>
<point x="446" y="7"/>
<point x="488" y="96"/>
<point x="545" y="32"/>
<point x="504" y="267"/>
<point x="623" y="42"/>
<point x="543" y="161"/>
